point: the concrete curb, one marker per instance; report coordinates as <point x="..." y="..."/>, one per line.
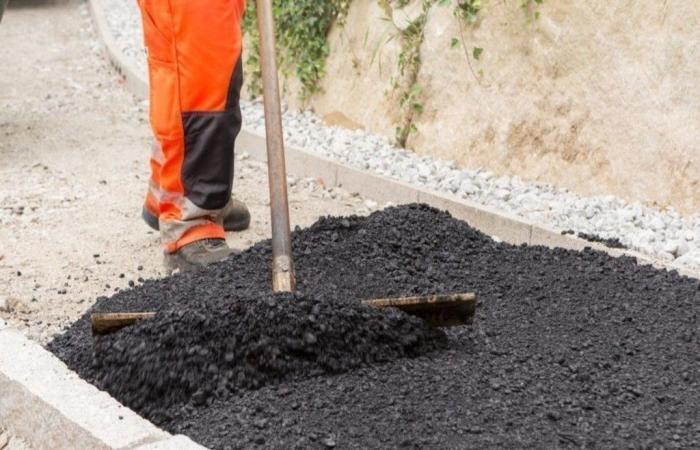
<point x="134" y="82"/>
<point x="49" y="406"/>
<point x="509" y="228"/>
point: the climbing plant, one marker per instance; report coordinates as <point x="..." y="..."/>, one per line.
<point x="301" y="31"/>
<point x="302" y="28"/>
<point x="412" y="36"/>
<point x="531" y="8"/>
<point x="467" y="11"/>
<point x="409" y="63"/>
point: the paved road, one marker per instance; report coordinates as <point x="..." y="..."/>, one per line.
<point x="73" y="149"/>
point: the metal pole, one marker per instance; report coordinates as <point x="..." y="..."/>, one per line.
<point x="283" y="278"/>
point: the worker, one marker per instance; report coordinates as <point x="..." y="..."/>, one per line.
<point x="195" y="72"/>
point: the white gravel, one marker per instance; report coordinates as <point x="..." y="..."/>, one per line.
<point x="662" y="234"/>
<point x="124" y="20"/>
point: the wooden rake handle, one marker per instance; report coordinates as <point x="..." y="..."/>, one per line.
<point x="283" y="276"/>
<point x="439" y="310"/>
<point x="106" y="323"/>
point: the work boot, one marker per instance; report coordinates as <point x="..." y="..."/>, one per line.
<point x="236" y="217"/>
<point x="196" y="255"/>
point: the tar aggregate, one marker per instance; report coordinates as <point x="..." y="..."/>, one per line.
<point x="608" y="242"/>
<point x="568" y="349"/>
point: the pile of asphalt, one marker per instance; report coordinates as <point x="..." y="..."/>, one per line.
<point x="568" y="349"/>
<point x="213" y="349"/>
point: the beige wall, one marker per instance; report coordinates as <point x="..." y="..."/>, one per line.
<point x="601" y="96"/>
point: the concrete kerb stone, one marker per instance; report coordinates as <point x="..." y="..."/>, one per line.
<point x="178" y="442"/>
<point x="49" y="406"/>
<point x="681" y="270"/>
<point x="551" y="238"/>
<point x="134" y="80"/>
<point x="302" y="163"/>
<point x="41" y="426"/>
<point x="376" y="187"/>
<point x="511" y="229"/>
<point x="253" y="144"/>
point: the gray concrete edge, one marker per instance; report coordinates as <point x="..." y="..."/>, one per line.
<point x="134" y="82"/>
<point x="47" y="405"/>
<point x="509" y="228"/>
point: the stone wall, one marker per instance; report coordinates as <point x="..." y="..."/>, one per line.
<point x="599" y="97"/>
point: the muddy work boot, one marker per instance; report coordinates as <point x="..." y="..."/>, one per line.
<point x="235" y="213"/>
<point x="197" y="255"/>
<point x="236" y="216"/>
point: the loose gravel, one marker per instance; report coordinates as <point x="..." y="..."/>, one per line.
<point x="661" y="234"/>
<point x="568" y="349"/>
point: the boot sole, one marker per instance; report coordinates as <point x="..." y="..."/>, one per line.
<point x="174" y="261"/>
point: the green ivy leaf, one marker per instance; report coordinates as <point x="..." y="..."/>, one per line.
<point x="477" y="52"/>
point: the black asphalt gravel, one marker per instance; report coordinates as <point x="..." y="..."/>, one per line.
<point x="608" y="242"/>
<point x="568" y="349"/>
<point x="198" y="353"/>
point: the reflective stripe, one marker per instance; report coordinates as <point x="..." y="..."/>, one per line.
<point x="203" y="231"/>
<point x="157" y="152"/>
<point x="176" y="231"/>
<point x="163" y="196"/>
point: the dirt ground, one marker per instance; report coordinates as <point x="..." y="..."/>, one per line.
<point x="73" y="170"/>
<point x="9" y="442"/>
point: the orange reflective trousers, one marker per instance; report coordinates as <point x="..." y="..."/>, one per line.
<point x="195" y="76"/>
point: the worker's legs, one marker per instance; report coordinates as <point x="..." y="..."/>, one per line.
<point x="195" y="73"/>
